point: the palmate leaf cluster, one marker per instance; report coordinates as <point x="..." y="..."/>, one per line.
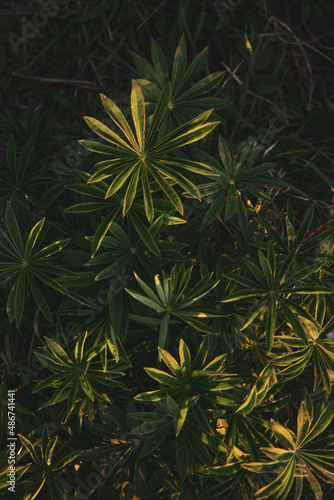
<point x="169" y="311"/>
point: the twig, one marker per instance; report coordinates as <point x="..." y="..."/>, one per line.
<point x="300" y="44"/>
<point x="237" y="79"/>
<point x="299" y="41"/>
<point x="95" y="71"/>
<point x="316" y="40"/>
<point x="228" y="230"/>
<point x="312" y="233"/>
<point x="81" y="83"/>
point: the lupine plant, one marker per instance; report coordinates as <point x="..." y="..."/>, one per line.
<point x="172" y="260"/>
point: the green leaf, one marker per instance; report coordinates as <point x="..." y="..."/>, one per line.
<point x="179" y="64"/>
<point x="159" y="62"/>
<point x="39" y="298"/>
<point x="180" y="136"/>
<point x="163" y="331"/>
<point x="214" y="210"/>
<point x="188" y="186"/>
<point x="163" y="292"/>
<point x="182" y="455"/>
<point x="252" y="312"/>
<point x="148" y="202"/>
<point x="205" y="85"/>
<point x="49" y="281"/>
<point x="144" y="300"/>
<point x="201" y="419"/>
<point x="25" y="156"/>
<point x="261" y="466"/>
<point x="311" y="290"/>
<point x="300" y="363"/>
<point x="303" y="423"/>
<point x="138" y="113"/>
<point x="283" y="434"/>
<point x="102" y="230"/>
<point x="255" y="270"/>
<point x="249" y="403"/>
<point x="291" y="317"/>
<point x="153" y="441"/>
<point x="97" y="147"/>
<point x="195" y="442"/>
<point x="20" y="296"/>
<point x="231" y="202"/>
<point x="159" y="112"/>
<point x="50" y="448"/>
<point x="268" y="273"/>
<point x="117" y="116"/>
<point x="194" y="133"/>
<point x="11" y="156"/>
<point x="242" y="216"/>
<point x="279" y="454"/>
<point x="197" y="103"/>
<point x="198" y="325"/>
<point x="201" y="289"/>
<point x="180" y="415"/>
<point x="271" y="325"/>
<point x="29" y="446"/>
<point x="145" y="69"/>
<point x="59" y="353"/>
<point x="87" y="388"/>
<point x="151" y="395"/>
<point x="120" y="179"/>
<point x="61" y="464"/>
<point x="145" y="235"/>
<point x="304" y="227"/>
<point x="81" y="208"/>
<point x="131" y="190"/>
<point x="201" y="354"/>
<point x="193" y="70"/>
<point x="32" y="238"/>
<point x="93" y="351"/>
<point x="321" y="424"/>
<point x="106" y="133"/>
<point x="50" y="250"/>
<point x="168" y="190"/>
<point x="8" y="246"/>
<point x="272" y="488"/>
<point x="192" y="166"/>
<point x="148" y="427"/>
<point x="52" y="365"/>
<point x="185" y="359"/>
<point x="162" y="377"/>
<point x="45" y="438"/>
<point x="314" y="484"/>
<point x="262" y="382"/>
<point x="72" y="395"/>
<point x="13" y="228"/>
<point x="147" y="290"/>
<point x="169" y="361"/>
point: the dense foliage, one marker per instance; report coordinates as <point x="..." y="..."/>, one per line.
<point x="173" y="294"/>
